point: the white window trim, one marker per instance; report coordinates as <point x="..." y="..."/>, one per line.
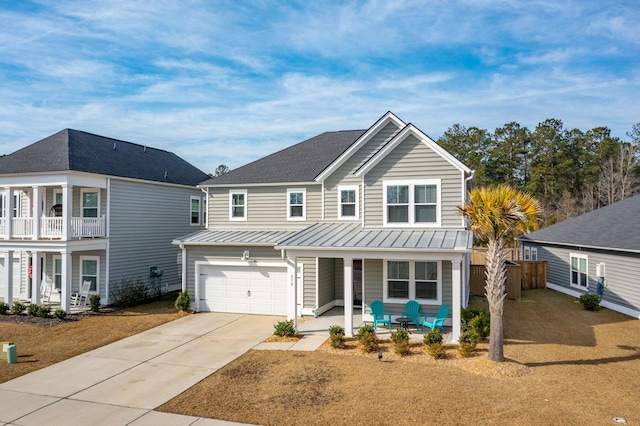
<point x="304" y="204"/>
<point x="412" y="283"/>
<point x="233" y="192"/>
<point x="355" y="188"/>
<point x="411" y="184"/>
<point x="84" y="191"/>
<point x="586" y="258"/>
<point x="97" y="259"/>
<point x="530" y="253"/>
<point x="199" y="199"/>
<point x="53" y="272"/>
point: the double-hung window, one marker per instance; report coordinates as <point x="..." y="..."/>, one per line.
<point x="238" y="204"/>
<point x="296" y="204"/>
<point x="530" y="253"/>
<point x="89" y="268"/>
<point x="348" y="202"/>
<point x="90" y="202"/>
<point x="196" y="210"/>
<point x="579" y="271"/>
<point x="412" y="203"/>
<point x="412" y="280"/>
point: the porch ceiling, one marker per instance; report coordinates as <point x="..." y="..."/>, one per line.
<point x="352" y="236"/>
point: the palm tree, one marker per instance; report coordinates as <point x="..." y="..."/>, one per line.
<point x="495" y="214"/>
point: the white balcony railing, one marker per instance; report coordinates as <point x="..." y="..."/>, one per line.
<point x="51" y="227"/>
<point x="22" y="227"/>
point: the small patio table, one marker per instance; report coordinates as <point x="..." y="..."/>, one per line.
<point x="404" y="323"/>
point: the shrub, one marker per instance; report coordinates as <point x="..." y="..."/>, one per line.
<point x="400" y="339"/>
<point x="129" y="294"/>
<point x="4" y="308"/>
<point x="367" y="338"/>
<point x="467" y="343"/>
<point x="18" y="308"/>
<point x="60" y="314"/>
<point x="284" y="328"/>
<point x="183" y="301"/>
<point x="590" y="302"/>
<point x="32" y="309"/>
<point x="43" y="311"/>
<point x="480" y="323"/>
<point x="336" y="336"/>
<point x="94" y="302"/>
<point x="433" y="340"/>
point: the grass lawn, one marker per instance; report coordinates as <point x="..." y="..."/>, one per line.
<point x="565" y="366"/>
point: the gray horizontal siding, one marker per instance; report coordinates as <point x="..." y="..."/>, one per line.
<point x="144" y="220"/>
<point x="411" y="160"/>
<point x="621" y="272"/>
<point x="326" y="281"/>
<point x="266" y="207"/>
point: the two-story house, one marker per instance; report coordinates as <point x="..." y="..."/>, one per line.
<point x="80" y="207"/>
<point x="341" y="219"/>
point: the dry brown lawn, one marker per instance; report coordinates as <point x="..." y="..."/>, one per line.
<point x="565" y="366"/>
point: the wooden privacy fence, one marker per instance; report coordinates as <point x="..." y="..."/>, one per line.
<point x="479" y="255"/>
<point x="522" y="275"/>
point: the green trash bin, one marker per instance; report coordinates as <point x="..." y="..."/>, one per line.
<point x="12" y="355"/>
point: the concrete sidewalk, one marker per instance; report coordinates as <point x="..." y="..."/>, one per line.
<point x="121" y="383"/>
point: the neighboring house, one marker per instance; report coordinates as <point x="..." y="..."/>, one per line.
<point x="81" y="207"/>
<point x="604" y="243"/>
<point x="341" y="219"/>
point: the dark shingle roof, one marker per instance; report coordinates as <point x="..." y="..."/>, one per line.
<point x="613" y="227"/>
<point x="298" y="163"/>
<point x="74" y="150"/>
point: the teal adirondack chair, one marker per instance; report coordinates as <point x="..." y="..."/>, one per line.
<point x="379" y="315"/>
<point x="438" y="321"/>
<point x="412" y="310"/>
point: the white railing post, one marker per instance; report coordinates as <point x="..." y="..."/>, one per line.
<point x="67" y="206"/>
<point x="8" y="192"/>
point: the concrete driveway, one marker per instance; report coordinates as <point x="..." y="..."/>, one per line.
<point x="121" y="383"/>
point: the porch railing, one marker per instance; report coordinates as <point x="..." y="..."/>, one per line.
<point x="22" y="227"/>
<point x="51" y="227"/>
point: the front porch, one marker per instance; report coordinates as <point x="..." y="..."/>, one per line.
<point x="54" y="303"/>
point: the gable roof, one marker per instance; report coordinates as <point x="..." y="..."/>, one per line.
<point x="74" y="150"/>
<point x="382" y="122"/>
<point x="410" y="129"/>
<point x="614" y="227"/>
<point x="298" y="163"/>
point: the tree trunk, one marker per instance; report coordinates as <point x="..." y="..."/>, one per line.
<point x="496" y="275"/>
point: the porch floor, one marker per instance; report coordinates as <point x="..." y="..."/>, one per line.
<point x="335" y="316"/>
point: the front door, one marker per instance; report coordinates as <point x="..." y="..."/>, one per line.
<point x="357" y="282"/>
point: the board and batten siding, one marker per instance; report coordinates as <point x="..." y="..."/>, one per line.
<point x="144" y="220"/>
<point x="344" y="174"/>
<point x="622" y="287"/>
<point x="266" y="207"/>
<point x="412" y="160"/>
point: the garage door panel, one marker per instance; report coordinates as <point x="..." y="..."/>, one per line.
<point x="244" y="289"/>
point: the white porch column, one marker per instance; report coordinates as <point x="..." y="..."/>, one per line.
<point x="35" y="277"/>
<point x="67" y="208"/>
<point x="36" y="211"/>
<point x="8" y="277"/>
<point x="456" y="298"/>
<point x="348" y="296"/>
<point x="65" y="286"/>
<point x="8" y="223"/>
<point x="292" y="290"/>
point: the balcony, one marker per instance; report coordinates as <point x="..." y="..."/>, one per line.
<point x="51" y="227"/>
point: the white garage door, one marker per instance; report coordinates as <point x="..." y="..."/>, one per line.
<point x="244" y="289"/>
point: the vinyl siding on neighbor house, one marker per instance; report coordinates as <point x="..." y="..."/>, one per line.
<point x="344" y="174"/>
<point x="621" y="272"/>
<point x="144" y="219"/>
<point x="412" y="160"/>
<point x="266" y="207"/>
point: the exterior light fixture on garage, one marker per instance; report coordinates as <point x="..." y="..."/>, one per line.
<point x="245" y="255"/>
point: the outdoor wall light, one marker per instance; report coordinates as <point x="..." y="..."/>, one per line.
<point x="245" y="255"/>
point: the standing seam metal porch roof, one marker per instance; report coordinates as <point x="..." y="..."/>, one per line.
<point x="333" y="235"/>
<point x="233" y="237"/>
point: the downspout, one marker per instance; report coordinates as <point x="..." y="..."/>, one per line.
<point x="184" y="267"/>
<point x="108" y="254"/>
<point x="206" y="205"/>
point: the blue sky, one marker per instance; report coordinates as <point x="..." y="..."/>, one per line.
<point x="226" y="82"/>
